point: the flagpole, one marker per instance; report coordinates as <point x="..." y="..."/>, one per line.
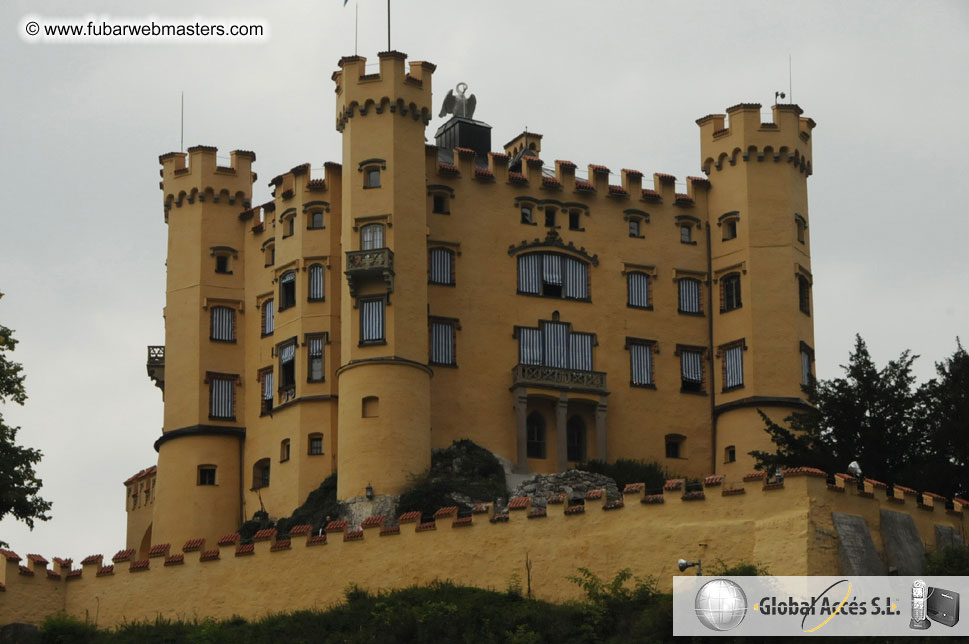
<point x="356" y="24"/>
<point x="388" y="25"/>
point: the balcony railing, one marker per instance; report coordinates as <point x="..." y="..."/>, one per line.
<point x="156" y="365"/>
<point x="366" y="264"/>
<point x="527" y="375"/>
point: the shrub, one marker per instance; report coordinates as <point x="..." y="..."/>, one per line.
<point x="625" y="471"/>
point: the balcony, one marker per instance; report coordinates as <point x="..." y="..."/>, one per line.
<point x="527" y="375"/>
<point x="156" y="366"/>
<point x="362" y="265"/>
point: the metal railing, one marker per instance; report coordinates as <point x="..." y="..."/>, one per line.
<point x="558" y="377"/>
<point x="378" y="259"/>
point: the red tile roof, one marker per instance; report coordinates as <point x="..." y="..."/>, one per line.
<point x="9" y="555"/>
<point x="209" y="555"/>
<point x="142" y="474"/>
<point x="464" y="151"/>
<point x="633" y="488"/>
<point x="682" y="198"/>
<point x="316" y="184"/>
<point x="337" y="525"/>
<point x="732" y="491"/>
<point x="574" y="509"/>
<point x="123" y="555"/>
<point x="537" y="513"/>
<point x="264" y="535"/>
<point x="282" y="544"/>
<point x="447" y="168"/>
<point x="593" y="494"/>
<point x="650" y="499"/>
<point x="748" y="106"/>
<point x="694" y="495"/>
<point x="584" y="185"/>
<point x="461" y="522"/>
<point x="699" y="181"/>
<point x="409" y="517"/>
<point x="25" y="571"/>
<point x="551" y="182"/>
<point x="664" y="178"/>
<point x="175" y="560"/>
<point x="245" y="549"/>
<point x="91" y="559"/>
<point x="37" y="559"/>
<point x="517" y="177"/>
<point x="425" y="527"/>
<point x="373" y="522"/>
<point x="564" y="164"/>
<point x="484" y="173"/>
<point x="906" y="490"/>
<point x="614" y="504"/>
<point x="534" y="162"/>
<point x="105" y="570"/>
<point x="193" y="544"/>
<point x="138" y="564"/>
<point x="713" y="479"/>
<point x="63" y="563"/>
<point x="228" y="539"/>
<point x="353" y="535"/>
<point x="316" y="540"/>
<point x="518" y="503"/>
<point x="389" y="529"/>
<point x="159" y="550"/>
<point x="651" y="195"/>
<point x="53" y="575"/>
<point x="618" y="190"/>
<point x="632" y="173"/>
<point x="75" y="574"/>
<point x="598" y="169"/>
<point x="807" y="471"/>
<point x="301" y="529"/>
<point x="448" y="511"/>
<point x="755" y="476"/>
<point x="556" y="499"/>
<point x="481" y="508"/>
<point x="673" y="484"/>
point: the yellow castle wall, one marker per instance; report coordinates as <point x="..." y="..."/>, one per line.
<point x="788" y="530"/>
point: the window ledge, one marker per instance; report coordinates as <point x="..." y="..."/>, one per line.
<point x="316" y="299"/>
<point x="648" y="307"/>
<point x="694" y="314"/>
<point x="688" y="243"/>
<point x="578" y="230"/>
<point x="315" y="227"/>
<point x="266" y="335"/>
<point x="440" y="212"/>
<point x="371" y="343"/>
<point x="451" y="284"/>
<point x="228" y="419"/>
<point x="451" y="365"/>
<point x="320" y="380"/>
<point x="642" y="385"/>
<point x="371" y="187"/>
<point x="223" y="272"/>
<point x="557" y="297"/>
<point x="736" y="308"/>
<point x="637" y="236"/>
<point x="693" y="393"/>
<point x="232" y="341"/>
<point x="734" y="388"/>
<point x="529" y="223"/>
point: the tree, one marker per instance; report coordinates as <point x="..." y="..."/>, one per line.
<point x="18" y="482"/>
<point x="947" y="402"/>
<point x="872" y="416"/>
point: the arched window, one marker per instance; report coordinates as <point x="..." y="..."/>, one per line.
<point x="442" y="266"/>
<point x="730" y="292"/>
<point x="575" y="439"/>
<point x="372" y="237"/>
<point x="268" y="317"/>
<point x="287" y="290"/>
<point x="370" y="407"/>
<point x="284" y="450"/>
<point x="260" y="474"/>
<point x="729" y="454"/>
<point x="535" y="435"/>
<point x="270" y="252"/>
<point x="553" y="275"/>
<point x="316" y="282"/>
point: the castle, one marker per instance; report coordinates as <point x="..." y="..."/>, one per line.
<point x="418" y="294"/>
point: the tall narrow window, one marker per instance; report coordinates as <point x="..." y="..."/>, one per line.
<point x="442" y="266"/>
<point x="530" y="346"/>
<point x="260" y="474"/>
<point x="222" y="397"/>
<point x="576" y="279"/>
<point x="371" y="177"/>
<point x="730" y="292"/>
<point x="527" y="216"/>
<point x="372" y="321"/>
<point x="268" y="317"/>
<point x="316" y="282"/>
<point x="553" y="275"/>
<point x="223" y="324"/>
<point x="574" y="220"/>
<point x="372" y="237"/>
<point x="801" y="225"/>
<point x="287" y="366"/>
<point x="556" y="336"/>
<point x="634" y="228"/>
<point x="439" y="203"/>
<point x="535" y="435"/>
<point x="580" y="351"/>
<point x="733" y="366"/>
<point x="554" y="344"/>
<point x="267" y="392"/>
<point x="729" y="454"/>
<point x="442" y="343"/>
<point x="640" y="362"/>
<point x="686" y="234"/>
<point x="804" y="294"/>
<point x="689" y="289"/>
<point x="316" y="219"/>
<point x="575" y="443"/>
<point x="691" y="369"/>
<point x="314" y="363"/>
<point x="270" y="251"/>
<point x="284" y="450"/>
<point x="222" y="264"/>
<point x="674" y="445"/>
<point x="729" y="229"/>
<point x="289" y="226"/>
<point x="807" y="357"/>
<point x="287" y="290"/>
<point x="637" y="290"/>
<point x="549" y="217"/>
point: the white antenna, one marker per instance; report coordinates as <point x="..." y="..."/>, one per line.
<point x="790" y="80"/>
<point x="356" y="24"/>
<point x="181" y="143"/>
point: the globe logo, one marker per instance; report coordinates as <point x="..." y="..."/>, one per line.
<point x="721" y="605"/>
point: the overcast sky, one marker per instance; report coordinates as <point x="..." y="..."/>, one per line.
<point x="83" y="239"/>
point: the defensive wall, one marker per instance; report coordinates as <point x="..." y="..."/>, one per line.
<point x="801" y="524"/>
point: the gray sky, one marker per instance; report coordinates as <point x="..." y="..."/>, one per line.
<point x="83" y="240"/>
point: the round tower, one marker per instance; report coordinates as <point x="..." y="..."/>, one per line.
<point x="384" y="380"/>
<point x="763" y="331"/>
<point x="199" y="452"/>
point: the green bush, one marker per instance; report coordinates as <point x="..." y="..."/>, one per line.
<point x="319" y="504"/>
<point x="462" y="471"/>
<point x="949" y="561"/>
<point x="625" y="471"/>
<point x="719" y="568"/>
<point x="64" y="629"/>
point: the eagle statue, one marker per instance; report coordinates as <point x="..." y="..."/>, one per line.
<point x="459" y="105"/>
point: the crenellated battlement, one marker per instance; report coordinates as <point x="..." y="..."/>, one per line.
<point x="783" y="523"/>
<point x="398" y="88"/>
<point x="203" y="179"/>
<point x="740" y="136"/>
<point x="300" y="188"/>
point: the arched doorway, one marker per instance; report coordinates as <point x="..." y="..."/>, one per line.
<point x="575" y="440"/>
<point x="535" y="433"/>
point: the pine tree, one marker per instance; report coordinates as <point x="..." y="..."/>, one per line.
<point x="871" y="416"/>
<point x="947" y="435"/>
<point x="19" y="484"/>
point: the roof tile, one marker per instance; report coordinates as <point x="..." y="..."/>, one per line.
<point x="175" y="560"/>
<point x="193" y="545"/>
<point x="299" y="530"/>
<point x="124" y="555"/>
<point x="228" y="539"/>
<point x="92" y="559"/>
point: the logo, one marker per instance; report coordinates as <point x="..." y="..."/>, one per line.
<point x="720" y="605"/>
